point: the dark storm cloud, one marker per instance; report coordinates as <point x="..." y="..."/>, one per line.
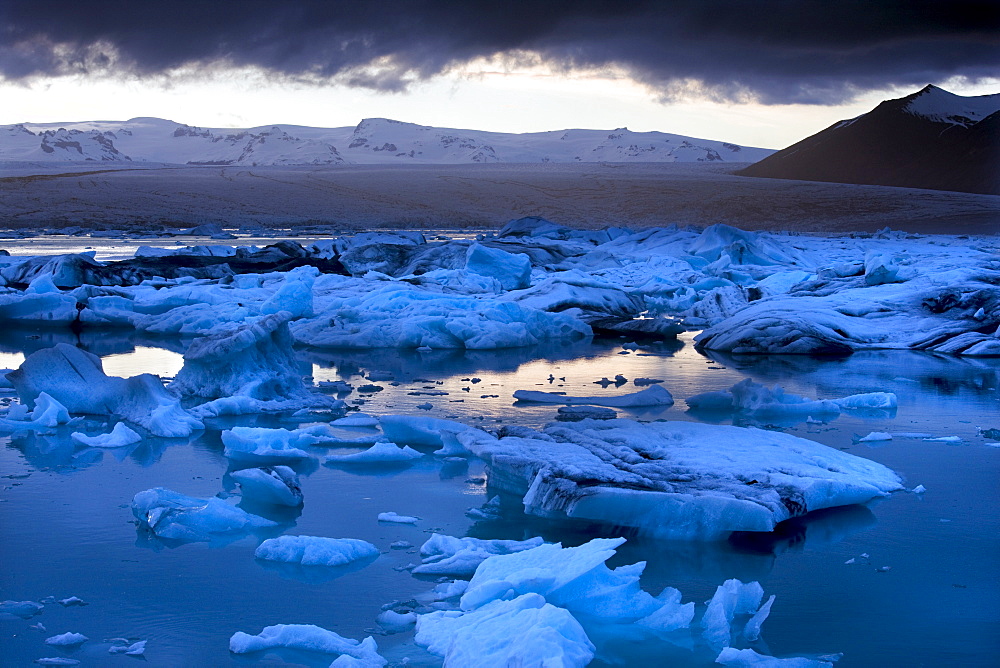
<point x="814" y="51"/>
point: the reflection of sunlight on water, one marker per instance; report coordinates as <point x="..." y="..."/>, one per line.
<point x="157" y="361"/>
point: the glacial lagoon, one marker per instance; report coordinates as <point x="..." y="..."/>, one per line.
<point x="924" y="594"/>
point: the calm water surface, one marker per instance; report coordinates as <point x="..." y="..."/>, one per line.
<point x="67" y="528"/>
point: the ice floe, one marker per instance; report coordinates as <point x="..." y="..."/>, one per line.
<point x="277" y="485"/>
<point x="171" y="515"/>
<point x="315" y="550"/>
<point x="675" y="480"/>
<point x="655" y="395"/>
<point x="120" y="435"/>
<point x="310" y="638"/>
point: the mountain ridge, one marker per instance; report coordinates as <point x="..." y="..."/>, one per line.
<point x="371" y="141"/>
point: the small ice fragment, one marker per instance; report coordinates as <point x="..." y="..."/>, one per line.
<point x="38" y="627"/>
<point x="57" y="661"/>
<point x="395" y="622"/>
<point x="875" y="436"/>
<point x="883" y="569"/>
<point x="752" y="629"/>
<point x="376" y="376"/>
<point x="397" y="519"/>
<point x="401" y="545"/>
<point x="306" y="637"/>
<point x="121" y="435"/>
<point x="72" y="600"/>
<point x="424" y="349"/>
<point x="425" y="406"/>
<point x="945" y="439"/>
<point x="919" y="489"/>
<point x="66" y="639"/>
<point x="134" y="649"/>
<point x="865" y="555"/>
<point x="852" y="560"/>
<point x="630" y="346"/>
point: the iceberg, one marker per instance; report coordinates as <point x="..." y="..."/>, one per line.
<point x="307" y="637"/>
<point x="524" y="631"/>
<point x="276" y="485"/>
<point x="47" y="414"/>
<point x="675" y="480"/>
<point x="76" y="379"/>
<point x="654" y="395"/>
<point x="176" y="516"/>
<point x="731" y="598"/>
<point x="315" y="550"/>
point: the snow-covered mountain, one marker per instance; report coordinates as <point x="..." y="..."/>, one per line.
<point x="373" y="141"/>
<point x="929" y="139"/>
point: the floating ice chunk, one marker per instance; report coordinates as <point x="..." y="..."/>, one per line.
<point x="393" y="518"/>
<point x="277" y="485"/>
<point x="447" y="555"/>
<point x="575" y="578"/>
<point x="452" y="589"/>
<point x="757" y="400"/>
<point x="867" y="400"/>
<point x="919" y="489"/>
<point x="76" y="379"/>
<point x="57" y="661"/>
<point x="261" y="443"/>
<point x="356" y="420"/>
<point x="119" y="436"/>
<point x="747" y="658"/>
<point x="513" y="271"/>
<point x="71" y="601"/>
<point x="315" y="550"/>
<point x="176" y="516"/>
<point x="133" y="649"/>
<point x="676" y="480"/>
<point x="306" y="637"/>
<point x="295" y="295"/>
<point x="395" y="622"/>
<point x="875" y="436"/>
<point x="731" y="598"/>
<point x="253" y="359"/>
<point x="671" y="616"/>
<point x="655" y="395"/>
<point x="22" y="609"/>
<point x="48" y="413"/>
<point x="381" y="452"/>
<point x="525" y="631"/>
<point x="423" y="431"/>
<point x="945" y="439"/>
<point x="577" y="413"/>
<point x="752" y="629"/>
<point x="67" y="639"/>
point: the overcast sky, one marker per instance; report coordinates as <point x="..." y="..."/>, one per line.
<point x="757" y="72"/>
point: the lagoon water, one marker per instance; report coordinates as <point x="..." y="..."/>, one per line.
<point x="67" y="529"/>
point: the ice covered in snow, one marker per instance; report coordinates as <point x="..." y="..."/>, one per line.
<point x="307" y="637"/>
<point x="448" y="555"/>
<point x="76" y="379"/>
<point x="655" y="395"/>
<point x="176" y="516"/>
<point x="380" y="452"/>
<point x="277" y="485"/>
<point x="119" y="436"/>
<point x="675" y="480"/>
<point x="315" y="550"/>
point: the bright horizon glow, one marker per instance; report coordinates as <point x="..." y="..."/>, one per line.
<point x="487" y="94"/>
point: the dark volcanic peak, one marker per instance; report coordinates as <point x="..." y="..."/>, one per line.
<point x="929" y="139"/>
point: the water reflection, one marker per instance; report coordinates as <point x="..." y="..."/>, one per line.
<point x="313" y="574"/>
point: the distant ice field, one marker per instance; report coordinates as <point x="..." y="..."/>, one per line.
<point x="358" y="197"/>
